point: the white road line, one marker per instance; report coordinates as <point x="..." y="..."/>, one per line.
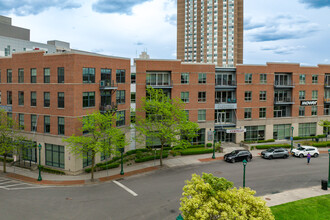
<point x="125" y="188"/>
<point x="5" y="180"/>
<point x="32" y="187"/>
<point x="16" y="184"/>
<point x="9" y="181"/>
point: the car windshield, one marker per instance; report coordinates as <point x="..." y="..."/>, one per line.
<point x="234" y="152"/>
<point x="301" y="148"/>
<point x="270" y="150"/>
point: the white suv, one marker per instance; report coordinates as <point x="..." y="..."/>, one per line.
<point x="304" y="150"/>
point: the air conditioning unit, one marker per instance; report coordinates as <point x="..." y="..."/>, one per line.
<point x="102" y="83"/>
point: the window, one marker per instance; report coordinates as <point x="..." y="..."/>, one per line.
<point x="46" y="99"/>
<point x="302" y="79"/>
<point x="0" y="97"/>
<point x="60" y="100"/>
<point x="20" y="98"/>
<point x="33" y="73"/>
<point x="302" y="95"/>
<point x="20" y="75"/>
<point x="54" y="155"/>
<point x="282" y="131"/>
<point x="120" y="118"/>
<point x="200" y="139"/>
<point x="133" y="97"/>
<point x="46" y="124"/>
<point x="254" y="133"/>
<point x="9" y="76"/>
<point x="184" y="78"/>
<point x="88" y="75"/>
<point x="187" y="114"/>
<point x="21" y="121"/>
<point x="248" y="78"/>
<point x="106" y="74"/>
<point x="133" y="117"/>
<point x="60" y="75"/>
<point x="248" y="96"/>
<point x="120" y="76"/>
<point x="33" y="98"/>
<point x="185" y="97"/>
<point x="314" y="79"/>
<point x="262" y="112"/>
<point x="263" y="96"/>
<point x="46" y="75"/>
<point x="120" y="96"/>
<point x="314" y="110"/>
<point x="9" y="98"/>
<point x="307" y="129"/>
<point x="133" y="78"/>
<point x="314" y="94"/>
<point x="88" y="99"/>
<point x="60" y="127"/>
<point x="263" y="78"/>
<point x="247" y="113"/>
<point x="301" y="110"/>
<point x="202" y="115"/>
<point x="33" y="123"/>
<point x="87" y="158"/>
<point x="0" y="76"/>
<point x="201" y="96"/>
<point x="201" y="78"/>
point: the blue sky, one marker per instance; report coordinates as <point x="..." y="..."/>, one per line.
<point x="275" y="31"/>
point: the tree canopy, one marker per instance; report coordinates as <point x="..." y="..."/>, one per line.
<point x="210" y="197"/>
<point x="164" y="120"/>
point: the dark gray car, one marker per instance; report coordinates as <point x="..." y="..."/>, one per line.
<point x="275" y="153"/>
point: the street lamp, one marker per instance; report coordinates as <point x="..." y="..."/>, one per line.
<point x="329" y="170"/>
<point x="39" y="177"/>
<point x="179" y="217"/>
<point x="244" y="164"/>
<point x="213" y="157"/>
<point x="291" y="139"/>
<point x="122" y="163"/>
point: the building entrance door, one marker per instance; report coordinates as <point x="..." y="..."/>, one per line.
<point x="222" y="117"/>
<point x="224" y="137"/>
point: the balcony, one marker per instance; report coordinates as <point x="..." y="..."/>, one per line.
<point x="108" y="108"/>
<point x="326" y="100"/>
<point x="227" y="123"/>
<point x="327" y="84"/>
<point x="326" y="111"/>
<point x="283" y="85"/>
<point x="230" y="104"/>
<point x="160" y="85"/>
<point x="108" y="85"/>
<point x="283" y="101"/>
<point x="225" y="85"/>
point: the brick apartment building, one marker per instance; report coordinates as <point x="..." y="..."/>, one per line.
<point x="48" y="93"/>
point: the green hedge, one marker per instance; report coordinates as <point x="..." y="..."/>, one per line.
<point x="8" y="160"/>
<point x="309" y="137"/>
<point x="209" y="145"/>
<point x="322" y="144"/>
<point x="272" y="146"/>
<point x="135" y="151"/>
<point x="109" y="166"/>
<point x="50" y="170"/>
<point x="196" y="151"/>
<point x="266" y="141"/>
<point x="151" y="157"/>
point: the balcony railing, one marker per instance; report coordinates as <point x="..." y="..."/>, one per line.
<point x="327" y="83"/>
<point x="283" y="100"/>
<point x="287" y="84"/>
<point x="230" y="83"/>
<point x="108" y="108"/>
<point x="108" y="84"/>
<point x="228" y="101"/>
<point x="165" y="84"/>
<point x="326" y="100"/>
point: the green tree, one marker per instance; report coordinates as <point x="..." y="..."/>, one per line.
<point x="9" y="137"/>
<point x="102" y="137"/>
<point x="165" y="120"/>
<point x="210" y="197"/>
<point x="325" y="124"/>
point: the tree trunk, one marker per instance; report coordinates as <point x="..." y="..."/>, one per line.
<point x="161" y="155"/>
<point x="4" y="162"/>
<point x="93" y="163"/>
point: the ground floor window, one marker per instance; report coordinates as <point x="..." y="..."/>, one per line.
<point x="87" y="159"/>
<point x="29" y="151"/>
<point x="54" y="155"/>
<point x="307" y="129"/>
<point x="200" y="139"/>
<point x="152" y="141"/>
<point x="254" y="133"/>
<point x="281" y="131"/>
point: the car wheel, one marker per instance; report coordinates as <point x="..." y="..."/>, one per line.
<point x="285" y="156"/>
<point x="316" y="155"/>
<point x="248" y="159"/>
<point x="232" y="160"/>
<point x="301" y="155"/>
<point x="270" y="157"/>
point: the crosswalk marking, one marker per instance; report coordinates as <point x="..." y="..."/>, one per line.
<point x="9" y="184"/>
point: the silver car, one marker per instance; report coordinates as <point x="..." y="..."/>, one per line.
<point x="275" y="153"/>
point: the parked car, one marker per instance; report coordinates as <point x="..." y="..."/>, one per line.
<point x="302" y="151"/>
<point x="275" y="153"/>
<point x="238" y="155"/>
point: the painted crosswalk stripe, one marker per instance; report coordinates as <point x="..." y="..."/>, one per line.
<point x="8" y="181"/>
<point x="17" y="184"/>
<point x="125" y="188"/>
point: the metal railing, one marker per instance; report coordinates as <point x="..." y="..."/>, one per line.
<point x="225" y="83"/>
<point x="108" y="108"/>
<point x="283" y="84"/>
<point x="108" y="83"/>
<point x="228" y="101"/>
<point x="168" y="83"/>
<point x="278" y="100"/>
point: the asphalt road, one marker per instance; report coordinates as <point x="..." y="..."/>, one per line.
<point x="158" y="192"/>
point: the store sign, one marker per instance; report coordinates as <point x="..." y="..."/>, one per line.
<point x="210" y="135"/>
<point x="6" y="108"/>
<point x="308" y="103"/>
<point x="237" y="130"/>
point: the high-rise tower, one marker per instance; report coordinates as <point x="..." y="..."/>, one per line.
<point x="210" y="31"/>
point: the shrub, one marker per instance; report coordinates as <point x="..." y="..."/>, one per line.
<point x="50" y="170"/>
<point x="272" y="146"/>
<point x="309" y="137"/>
<point x="151" y="157"/>
<point x="8" y="160"/>
<point x="208" y="145"/>
<point x="196" y="146"/>
<point x="109" y="166"/>
<point x="196" y="151"/>
<point x="266" y="141"/>
<point x="175" y="153"/>
<point x="322" y="144"/>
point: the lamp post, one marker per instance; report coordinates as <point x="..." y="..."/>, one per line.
<point x="39" y="177"/>
<point x="213" y="156"/>
<point x="179" y="217"/>
<point x="244" y="164"/>
<point x="121" y="162"/>
<point x="291" y="139"/>
<point x="329" y="170"/>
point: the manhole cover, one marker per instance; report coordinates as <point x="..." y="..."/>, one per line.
<point x="267" y="198"/>
<point x="68" y="198"/>
<point x="172" y="211"/>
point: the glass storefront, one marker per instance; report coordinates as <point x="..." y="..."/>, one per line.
<point x="281" y="131"/>
<point x="307" y="129"/>
<point x="254" y="133"/>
